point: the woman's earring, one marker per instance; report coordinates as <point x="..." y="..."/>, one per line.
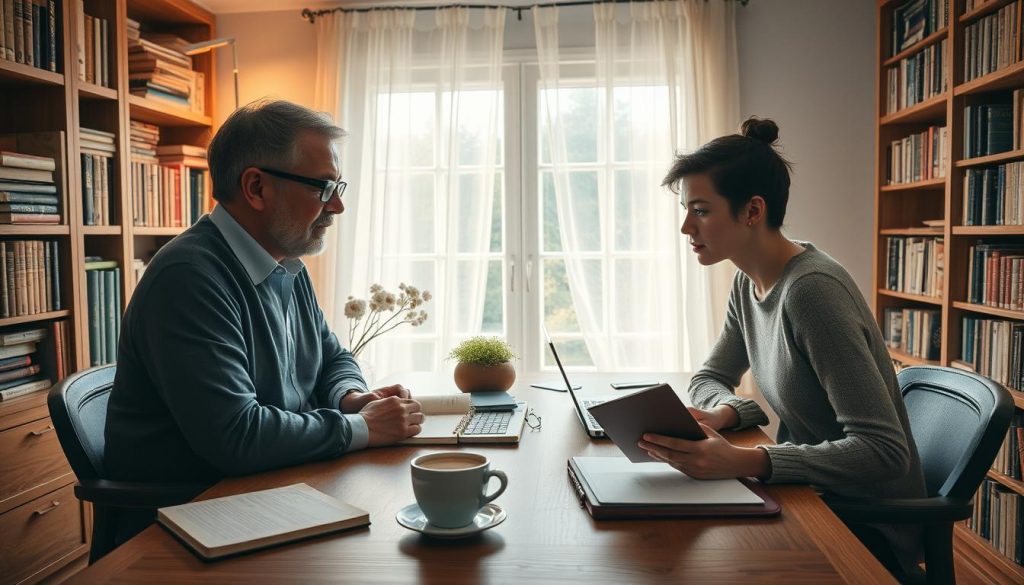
<point x="750" y="224"/>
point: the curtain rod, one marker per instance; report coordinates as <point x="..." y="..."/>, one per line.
<point x="311" y="15"/>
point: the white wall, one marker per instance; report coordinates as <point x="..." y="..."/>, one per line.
<point x="807" y="64"/>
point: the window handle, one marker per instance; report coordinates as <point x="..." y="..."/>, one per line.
<point x="529" y="271"/>
<point x="512" y="274"/>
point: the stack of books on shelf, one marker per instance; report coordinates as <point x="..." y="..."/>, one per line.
<point x="999" y="518"/>
<point x="168" y="182"/>
<point x="20" y="370"/>
<point x="919" y="77"/>
<point x="30" y="33"/>
<point x="989" y="128"/>
<point x="139" y="268"/>
<point x="995" y="275"/>
<point x="992" y="42"/>
<point x="919" y="157"/>
<point x="994" y="195"/>
<point x="103" y="283"/>
<point x="93" y="48"/>
<point x="914" y="20"/>
<point x="29" y="277"/>
<point x="97" y="175"/>
<point x="1010" y="456"/>
<point x="159" y="69"/>
<point x="189" y="193"/>
<point x="915" y="332"/>
<point x="994" y="348"/>
<point x="28" y="193"/>
<point x="915" y="265"/>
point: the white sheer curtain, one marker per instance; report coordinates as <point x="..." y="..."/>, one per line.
<point x="666" y="79"/>
<point x="423" y="105"/>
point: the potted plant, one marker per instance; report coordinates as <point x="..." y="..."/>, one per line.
<point x="484" y="365"/>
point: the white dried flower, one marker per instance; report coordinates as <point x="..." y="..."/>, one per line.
<point x="427" y="296"/>
<point x="375" y="287"/>
<point x="355" y="308"/>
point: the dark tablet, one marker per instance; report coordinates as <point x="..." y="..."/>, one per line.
<point x="655" y="410"/>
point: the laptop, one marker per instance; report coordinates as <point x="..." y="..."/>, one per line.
<point x="590" y="423"/>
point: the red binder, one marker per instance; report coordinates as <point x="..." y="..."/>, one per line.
<point x="621" y="511"/>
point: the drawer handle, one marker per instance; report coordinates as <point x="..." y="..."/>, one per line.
<point x="53" y="506"/>
<point x="41" y="432"/>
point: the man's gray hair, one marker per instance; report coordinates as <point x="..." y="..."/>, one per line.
<point x="262" y="133"/>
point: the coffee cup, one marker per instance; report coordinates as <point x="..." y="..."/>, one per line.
<point x="450" y="487"/>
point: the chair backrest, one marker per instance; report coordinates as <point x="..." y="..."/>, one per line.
<point x="959" y="420"/>
<point x="78" y="408"/>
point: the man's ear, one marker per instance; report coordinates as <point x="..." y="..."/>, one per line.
<point x="254" y="187"/>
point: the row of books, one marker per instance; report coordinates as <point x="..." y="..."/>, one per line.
<point x="989" y="129"/>
<point x="914" y="20"/>
<point x="20" y="369"/>
<point x="159" y="69"/>
<point x="30" y="33"/>
<point x="92" y="41"/>
<point x="1011" y="453"/>
<point x="103" y="286"/>
<point x="28" y="191"/>
<point x="999" y="518"/>
<point x="992" y="42"/>
<point x="98" y="151"/>
<point x="29" y="277"/>
<point x="915" y="265"/>
<point x="915" y="79"/>
<point x="915" y="332"/>
<point x="994" y="195"/>
<point x="993" y="348"/>
<point x="995" y="275"/>
<point x="919" y="157"/>
<point x="168" y="182"/>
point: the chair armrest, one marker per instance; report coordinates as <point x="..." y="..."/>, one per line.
<point x="898" y="511"/>
<point x="123" y="494"/>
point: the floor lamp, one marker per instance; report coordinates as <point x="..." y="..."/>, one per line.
<point x="206" y="46"/>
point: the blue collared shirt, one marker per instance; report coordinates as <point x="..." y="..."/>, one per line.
<point x="226" y="365"/>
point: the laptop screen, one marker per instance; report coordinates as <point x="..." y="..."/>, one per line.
<point x="557" y="360"/>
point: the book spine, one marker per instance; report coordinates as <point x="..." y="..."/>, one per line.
<point x="110" y="279"/>
<point x="92" y="283"/>
<point x="55" y="278"/>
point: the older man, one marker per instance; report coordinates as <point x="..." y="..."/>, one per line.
<point x="225" y="364"/>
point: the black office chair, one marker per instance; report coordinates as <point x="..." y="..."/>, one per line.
<point x="78" y="408"/>
<point x="959" y="421"/>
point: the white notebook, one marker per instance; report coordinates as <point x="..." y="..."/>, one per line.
<point x="615" y="480"/>
<point x="449" y="418"/>
<point x="233" y="524"/>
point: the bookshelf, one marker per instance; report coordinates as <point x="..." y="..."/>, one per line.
<point x="901" y="208"/>
<point x="43" y="540"/>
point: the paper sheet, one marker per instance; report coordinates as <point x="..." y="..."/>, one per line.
<point x="615" y="480"/>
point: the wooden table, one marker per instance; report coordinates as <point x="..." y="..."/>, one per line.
<point x="547" y="537"/>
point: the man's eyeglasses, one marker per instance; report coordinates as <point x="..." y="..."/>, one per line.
<point x="327" y="188"/>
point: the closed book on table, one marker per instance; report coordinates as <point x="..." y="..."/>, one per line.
<point x="613" y="487"/>
<point x="235" y="524"/>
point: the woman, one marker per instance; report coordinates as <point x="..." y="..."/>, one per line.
<point x="798" y="322"/>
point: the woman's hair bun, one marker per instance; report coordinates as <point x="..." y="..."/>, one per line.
<point x="764" y="130"/>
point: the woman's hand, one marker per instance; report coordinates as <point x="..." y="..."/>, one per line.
<point x="720" y="417"/>
<point x="711" y="458"/>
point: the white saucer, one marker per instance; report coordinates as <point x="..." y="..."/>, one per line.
<point x="488" y="517"/>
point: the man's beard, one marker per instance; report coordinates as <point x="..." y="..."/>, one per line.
<point x="295" y="240"/>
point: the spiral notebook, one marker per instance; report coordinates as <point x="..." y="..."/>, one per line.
<point x="451" y="418"/>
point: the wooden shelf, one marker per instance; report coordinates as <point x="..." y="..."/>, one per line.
<point x="1013" y="484"/>
<point x="938" y="183"/>
<point x="931" y="110"/>
<point x="1018" y="397"/>
<point x="19" y="73"/>
<point x="910" y="297"/>
<point x="34" y="318"/>
<point x="101" y="230"/>
<point x="34" y="230"/>
<point x="988" y="230"/>
<point x="923" y="231"/>
<point x="154" y="112"/>
<point x="157" y="231"/>
<point x="990" y="159"/>
<point x="91" y="91"/>
<point x="985" y="9"/>
<point x="923" y="43"/>
<point x="987" y="560"/>
<point x="987" y="310"/>
<point x="1005" y="78"/>
<point x="910" y="360"/>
